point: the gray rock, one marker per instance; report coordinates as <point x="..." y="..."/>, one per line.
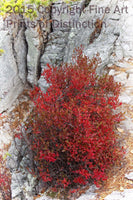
<point x="121" y="77"/>
<point x="17" y="150"/>
<point x="112" y="38"/>
<point x="36" y="39"/>
<point x="43" y="196"/>
<point x="11" y="84"/>
<point x="112" y="72"/>
<point x="90" y="194"/>
<point x="23" y="183"/>
<point x="129" y="176"/>
<point x="34" y="53"/>
<point x="129" y="83"/>
<point x="64" y="14"/>
<point x="126" y="195"/>
<point x="28" y="51"/>
<point x="124" y="98"/>
<point x="12" y="64"/>
<point x="20" y="48"/>
<point x="17" y="185"/>
<point x="104" y="39"/>
<point x="128" y="124"/>
<point x="119" y="51"/>
<point x="53" y="53"/>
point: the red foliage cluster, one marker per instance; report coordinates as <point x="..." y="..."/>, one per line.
<point x="5" y="181"/>
<point x="73" y="126"/>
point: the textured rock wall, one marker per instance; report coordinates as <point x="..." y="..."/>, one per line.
<point x="20" y="63"/>
<point x="28" y="50"/>
<point x="12" y="65"/>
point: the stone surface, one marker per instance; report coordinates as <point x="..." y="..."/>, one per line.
<point x="129" y="176"/>
<point x="89" y="195"/>
<point x="33" y="56"/>
<point x="28" y="50"/>
<point x="104" y="40"/>
<point x="53" y="53"/>
<point x="63" y="14"/>
<point x="23" y="183"/>
<point x="36" y="39"/>
<point x="121" y="77"/>
<point x="126" y="195"/>
<point x="125" y="98"/>
<point x="12" y="66"/>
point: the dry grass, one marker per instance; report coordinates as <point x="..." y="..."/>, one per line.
<point x="116" y="177"/>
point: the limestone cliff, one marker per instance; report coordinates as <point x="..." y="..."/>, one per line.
<point x="100" y="26"/>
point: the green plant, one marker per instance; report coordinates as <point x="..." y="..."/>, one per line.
<point x="28" y="8"/>
<point x="1" y="52"/>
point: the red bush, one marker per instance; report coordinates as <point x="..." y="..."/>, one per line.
<point x="73" y="126"/>
<point x="5" y="181"/>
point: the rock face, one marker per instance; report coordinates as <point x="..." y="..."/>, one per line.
<point x="23" y="184"/>
<point x="126" y="195"/>
<point x="36" y="39"/>
<point x="100" y="26"/>
<point x="28" y="50"/>
<point x="108" y="34"/>
<point x="20" y="63"/>
<point x="12" y="65"/>
<point x="90" y="194"/>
